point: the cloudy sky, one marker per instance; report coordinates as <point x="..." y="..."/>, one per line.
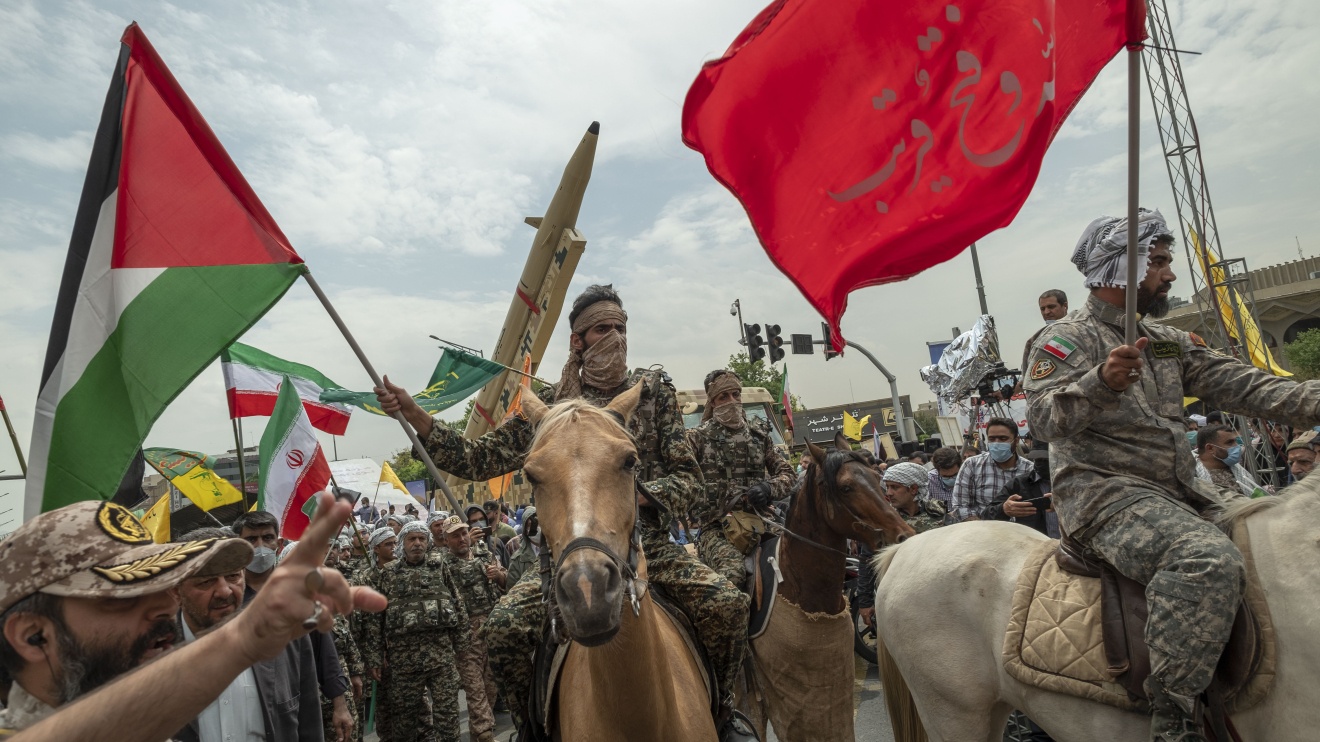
<point x="399" y="145"/>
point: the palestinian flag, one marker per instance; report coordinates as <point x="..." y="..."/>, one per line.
<point x="172" y="258"/>
<point x="252" y="382"/>
<point x="293" y="466"/>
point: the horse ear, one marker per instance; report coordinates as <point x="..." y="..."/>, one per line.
<point x="841" y="442"/>
<point x="817" y="453"/>
<point x="625" y="404"/>
<point x="534" y="408"/>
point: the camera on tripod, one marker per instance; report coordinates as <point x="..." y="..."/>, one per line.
<point x="998" y="383"/>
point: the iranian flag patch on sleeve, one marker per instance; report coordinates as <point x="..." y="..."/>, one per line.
<point x="1059" y="348"/>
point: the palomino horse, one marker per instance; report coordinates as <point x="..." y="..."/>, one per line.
<point x="629" y="674"/>
<point x="804" y="661"/>
<point x="943" y="603"/>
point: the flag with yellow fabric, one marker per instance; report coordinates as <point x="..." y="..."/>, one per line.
<point x="157" y="520"/>
<point x="191" y="473"/>
<point x="852" y="427"/>
<point x="1260" y="355"/>
<point x="387" y="476"/>
<point x="501" y="484"/>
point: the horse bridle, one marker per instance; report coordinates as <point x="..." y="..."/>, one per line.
<point x="858" y="523"/>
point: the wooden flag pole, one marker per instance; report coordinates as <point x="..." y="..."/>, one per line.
<point x="22" y="465"/>
<point x="1134" y="170"/>
<point x="375" y="379"/>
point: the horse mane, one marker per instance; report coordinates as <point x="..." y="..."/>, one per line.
<point x="1239" y="509"/>
<point x="570" y="411"/>
<point x="834" y="461"/>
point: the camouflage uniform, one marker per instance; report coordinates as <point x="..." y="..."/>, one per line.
<point x="350" y="663"/>
<point x="524" y="560"/>
<point x="731" y="461"/>
<point x="479" y="595"/>
<point x="670" y="478"/>
<point x="930" y="514"/>
<point x="1125" y="482"/>
<point x="364" y="574"/>
<point x="416" y="640"/>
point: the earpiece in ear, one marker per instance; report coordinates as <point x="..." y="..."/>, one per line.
<point x="37" y="639"/>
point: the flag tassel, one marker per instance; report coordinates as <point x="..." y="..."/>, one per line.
<point x="375" y="379"/>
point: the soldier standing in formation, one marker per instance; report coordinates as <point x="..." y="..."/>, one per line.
<point x="742" y="469"/>
<point x="480" y="581"/>
<point x="412" y="646"/>
<point x="668" y="480"/>
<point x="1125" y="483"/>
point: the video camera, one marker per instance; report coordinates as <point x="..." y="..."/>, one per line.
<point x="998" y="383"/>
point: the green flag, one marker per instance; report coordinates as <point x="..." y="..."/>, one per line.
<point x="457" y="376"/>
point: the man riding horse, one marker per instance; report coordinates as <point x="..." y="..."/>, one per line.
<point x="1125" y="484"/>
<point x="742" y="469"/>
<point x="668" y="481"/>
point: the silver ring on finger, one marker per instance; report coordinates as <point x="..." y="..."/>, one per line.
<point x="312" y="621"/>
<point x="1133" y="373"/>
<point x="314" y="581"/>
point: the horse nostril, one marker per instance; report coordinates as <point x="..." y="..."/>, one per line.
<point x="902" y="538"/>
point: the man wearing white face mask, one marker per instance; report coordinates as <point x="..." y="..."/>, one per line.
<point x="983" y="475"/>
<point x="1219" y="460"/>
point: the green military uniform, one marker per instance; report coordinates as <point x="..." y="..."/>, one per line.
<point x="363" y="573"/>
<point x="350" y="663"/>
<point x="524" y="560"/>
<point x="1125" y="482"/>
<point x="930" y="514"/>
<point x="416" y="640"/>
<point x="731" y="461"/>
<point x="669" y="476"/>
<point x="479" y="594"/>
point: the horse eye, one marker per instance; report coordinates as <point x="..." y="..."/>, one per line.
<point x="531" y="479"/>
<point x="630" y="462"/>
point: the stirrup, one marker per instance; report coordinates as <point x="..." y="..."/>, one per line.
<point x="736" y="727"/>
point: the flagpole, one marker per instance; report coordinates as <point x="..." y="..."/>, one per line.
<point x="242" y="471"/>
<point x="375" y="378"/>
<point x="1134" y="169"/>
<point x="22" y="465"/>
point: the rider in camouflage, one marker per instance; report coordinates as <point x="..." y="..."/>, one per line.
<point x="668" y="480"/>
<point x="1125" y="483"/>
<point x="741" y="466"/>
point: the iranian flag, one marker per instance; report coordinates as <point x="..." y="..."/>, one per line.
<point x="293" y="466"/>
<point x="172" y="258"/>
<point x="252" y="382"/>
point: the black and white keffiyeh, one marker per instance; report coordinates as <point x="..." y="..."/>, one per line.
<point x="1101" y="253"/>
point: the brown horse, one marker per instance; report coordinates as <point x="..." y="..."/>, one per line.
<point x="803" y="662"/>
<point x="629" y="673"/>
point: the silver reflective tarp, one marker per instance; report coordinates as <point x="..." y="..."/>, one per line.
<point x="965" y="362"/>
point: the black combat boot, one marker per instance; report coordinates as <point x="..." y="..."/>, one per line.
<point x="1173" y="718"/>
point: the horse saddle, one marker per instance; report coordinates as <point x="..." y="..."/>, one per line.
<point x="762" y="584"/>
<point x="1123" y="614"/>
<point x="548" y="662"/>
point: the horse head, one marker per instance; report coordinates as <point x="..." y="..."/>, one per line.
<point x="582" y="466"/>
<point x="851" y="496"/>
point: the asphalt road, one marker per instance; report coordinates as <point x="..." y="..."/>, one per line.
<point x="871" y="722"/>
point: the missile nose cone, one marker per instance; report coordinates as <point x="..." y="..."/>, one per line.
<point x="594" y="128"/>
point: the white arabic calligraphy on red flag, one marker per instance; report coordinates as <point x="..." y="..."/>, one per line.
<point x="870" y="141"/>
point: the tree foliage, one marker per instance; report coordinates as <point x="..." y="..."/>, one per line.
<point x="1304" y="354"/>
<point x="763" y="375"/>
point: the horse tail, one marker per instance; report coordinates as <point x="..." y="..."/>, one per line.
<point x="903" y="716"/>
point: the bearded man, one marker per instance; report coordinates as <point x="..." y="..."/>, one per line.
<point x="412" y="646"/>
<point x="1125" y="485"/>
<point x="668" y="479"/>
<point x="78" y="608"/>
<point x="742" y="468"/>
<point x="480" y="580"/>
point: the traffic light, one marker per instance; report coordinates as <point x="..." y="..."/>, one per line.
<point x="755" y="351"/>
<point x="830" y="352"/>
<point x="775" y="342"/>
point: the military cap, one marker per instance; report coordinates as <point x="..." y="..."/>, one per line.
<point x="99" y="549"/>
<point x="455" y="523"/>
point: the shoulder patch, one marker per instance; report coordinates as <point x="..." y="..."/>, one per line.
<point x="1166" y="349"/>
<point x="1059" y="347"/>
<point x="1196" y="340"/>
<point x="1042" y="368"/>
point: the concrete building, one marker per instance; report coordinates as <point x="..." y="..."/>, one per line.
<point x="1287" y="301"/>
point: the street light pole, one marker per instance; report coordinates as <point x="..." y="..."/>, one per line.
<point x="893" y="386"/>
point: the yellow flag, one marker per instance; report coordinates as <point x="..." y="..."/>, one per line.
<point x="1260" y="355"/>
<point x="157" y="520"/>
<point x="191" y="473"/>
<point x="501" y="484"/>
<point x="387" y="476"/>
<point x="852" y="427"/>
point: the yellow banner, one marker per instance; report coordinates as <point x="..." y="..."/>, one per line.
<point x="157" y="520"/>
<point x="387" y="476"/>
<point x="852" y="427"/>
<point x="1260" y="355"/>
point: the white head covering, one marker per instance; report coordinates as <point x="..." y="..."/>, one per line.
<point x="414" y="526"/>
<point x="1101" y="252"/>
<point x="908" y="474"/>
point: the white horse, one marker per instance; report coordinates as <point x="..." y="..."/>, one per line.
<point x="943" y="603"/>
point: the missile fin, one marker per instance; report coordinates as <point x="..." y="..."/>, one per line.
<point x="534" y="221"/>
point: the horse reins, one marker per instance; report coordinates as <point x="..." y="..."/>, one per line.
<point x="627" y="568"/>
<point x="858" y="523"/>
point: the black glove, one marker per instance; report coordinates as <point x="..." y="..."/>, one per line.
<point x="758" y="495"/>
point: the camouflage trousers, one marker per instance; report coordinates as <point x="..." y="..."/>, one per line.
<point x="328" y="713"/>
<point x="720" y="555"/>
<point x="717" y="609"/>
<point x="478" y="681"/>
<point x="422" y="700"/>
<point x="1194" y="578"/>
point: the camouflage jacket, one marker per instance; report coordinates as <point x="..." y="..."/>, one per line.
<point x="349" y="656"/>
<point x="733" y="460"/>
<point x="668" y="472"/>
<point x="1104" y="443"/>
<point x="425" y="618"/>
<point x="930" y="514"/>
<point x="478" y="592"/>
<point x="524" y="560"/>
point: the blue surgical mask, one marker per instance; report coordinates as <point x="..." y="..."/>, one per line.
<point x="1001" y="451"/>
<point x="263" y="558"/>
<point x="949" y="481"/>
<point x="1234" y="455"/>
<point x="1050" y="321"/>
<point x="1191" y="437"/>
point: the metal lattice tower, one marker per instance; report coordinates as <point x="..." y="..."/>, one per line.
<point x="1191" y="193"/>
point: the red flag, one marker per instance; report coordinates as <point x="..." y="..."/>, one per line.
<point x="870" y="141"/>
